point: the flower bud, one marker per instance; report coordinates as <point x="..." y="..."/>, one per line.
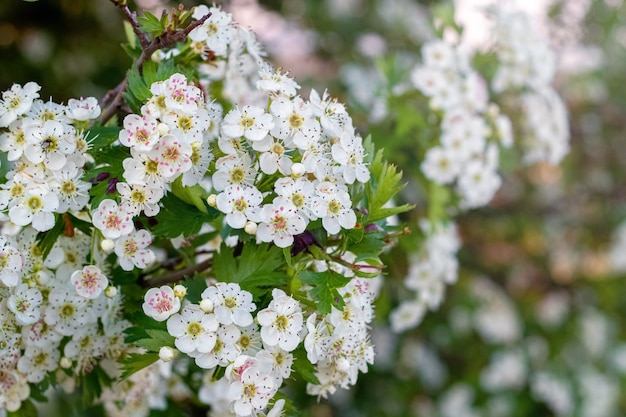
<point x="297" y="170"/>
<point x="206" y="305"/>
<point x="110" y="291"/>
<point x="107" y="245"/>
<point x="65" y="362"/>
<point x="250" y="228"/>
<point x="180" y="291"/>
<point x="163" y="128"/>
<point x="166" y="353"/>
<point x="212" y="200"/>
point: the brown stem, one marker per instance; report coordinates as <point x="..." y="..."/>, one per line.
<point x="114" y="98"/>
<point x="176" y="275"/>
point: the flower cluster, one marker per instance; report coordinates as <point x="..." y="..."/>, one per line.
<point x="467" y="154"/>
<point x="434" y="266"/>
<point x="527" y="64"/>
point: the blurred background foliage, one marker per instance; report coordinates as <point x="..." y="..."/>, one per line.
<point x="542" y="265"/>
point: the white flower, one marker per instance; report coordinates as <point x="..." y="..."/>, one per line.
<point x="11" y="263"/>
<point x="406" y="316"/>
<point x="67" y="312"/>
<point x="140" y="132"/>
<point x="131" y="250"/>
<point x="14" y="387"/>
<point x="172" y="155"/>
<point x="37" y="361"/>
<point x="25" y="303"/>
<point x="281" y="321"/>
<point x="225" y="350"/>
<point x="112" y="220"/>
<point x="50" y="143"/>
<point x="251" y="393"/>
<point x="251" y="122"/>
<point x="37" y="207"/>
<point x="17" y="101"/>
<point x="349" y="153"/>
<point x="89" y="281"/>
<point x="14" y="141"/>
<point x="216" y="32"/>
<point x="233" y="169"/>
<point x="239" y="202"/>
<point x="317" y="340"/>
<point x="439" y="54"/>
<point x="231" y="303"/>
<point x="83" y="109"/>
<point x="138" y="197"/>
<point x="441" y="165"/>
<point x="194" y="330"/>
<point x="280" y="221"/>
<point x="273" y="82"/>
<point x="73" y="193"/>
<point x="299" y="192"/>
<point x="334" y="207"/>
<point x="160" y="303"/>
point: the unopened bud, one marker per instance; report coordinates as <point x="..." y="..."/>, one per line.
<point x="206" y="305"/>
<point x="166" y="353"/>
<point x="212" y="200"/>
<point x="110" y="291"/>
<point x="65" y="362"/>
<point x="180" y="291"/>
<point x="107" y="245"/>
<point x="250" y="228"/>
<point x="297" y="170"/>
<point x="164" y="129"/>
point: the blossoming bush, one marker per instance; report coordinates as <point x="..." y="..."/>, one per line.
<point x="204" y="222"/>
<point x="206" y="237"/>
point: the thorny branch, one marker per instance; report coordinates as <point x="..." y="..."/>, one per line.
<point x="114" y="98"/>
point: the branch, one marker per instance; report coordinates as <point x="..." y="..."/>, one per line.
<point x="114" y="98"/>
<point x="175" y="276"/>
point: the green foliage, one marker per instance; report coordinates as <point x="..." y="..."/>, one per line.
<point x="303" y="367"/>
<point x="92" y="384"/>
<point x="257" y="267"/>
<point x="195" y="287"/>
<point x="177" y="217"/>
<point x="384" y="186"/>
<point x="46" y="240"/>
<point x="324" y="289"/>
<point x="135" y="362"/>
<point x="27" y="409"/>
<point x="153" y="25"/>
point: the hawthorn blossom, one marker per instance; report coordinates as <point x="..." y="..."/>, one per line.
<point x="194" y="330"/>
<point x="216" y="32"/>
<point x="281" y="321"/>
<point x="36" y="208"/>
<point x="250" y="121"/>
<point x="83" y="109"/>
<point x="231" y="304"/>
<point x="89" y="281"/>
<point x="72" y="191"/>
<point x="294" y="121"/>
<point x="17" y="101"/>
<point x="37" y="361"/>
<point x="274" y="82"/>
<point x="225" y="349"/>
<point x="349" y="153"/>
<point x="251" y="393"/>
<point x="67" y="312"/>
<point x="14" y="388"/>
<point x="240" y="203"/>
<point x="334" y="207"/>
<point x="50" y="143"/>
<point x="25" y="303"/>
<point x="232" y="170"/>
<point x="140" y="132"/>
<point x="280" y="222"/>
<point x="160" y="303"/>
<point x="441" y="165"/>
<point x="113" y="221"/>
<point x="131" y="250"/>
<point x="172" y="155"/>
<point x="11" y="263"/>
<point x="136" y="198"/>
<point x="14" y="141"/>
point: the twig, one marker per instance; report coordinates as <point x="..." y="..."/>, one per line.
<point x="114" y="98"/>
<point x="176" y="276"/>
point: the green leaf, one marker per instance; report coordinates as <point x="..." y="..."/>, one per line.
<point x="324" y="291"/>
<point x="303" y="367"/>
<point x="156" y="340"/>
<point x="135" y="362"/>
<point x="100" y="137"/>
<point x="256" y="267"/>
<point x="384" y="186"/>
<point x="195" y="287"/>
<point x="151" y="24"/>
<point x="176" y="218"/>
<point x="190" y="195"/>
<point x="79" y="224"/>
<point x="137" y="91"/>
